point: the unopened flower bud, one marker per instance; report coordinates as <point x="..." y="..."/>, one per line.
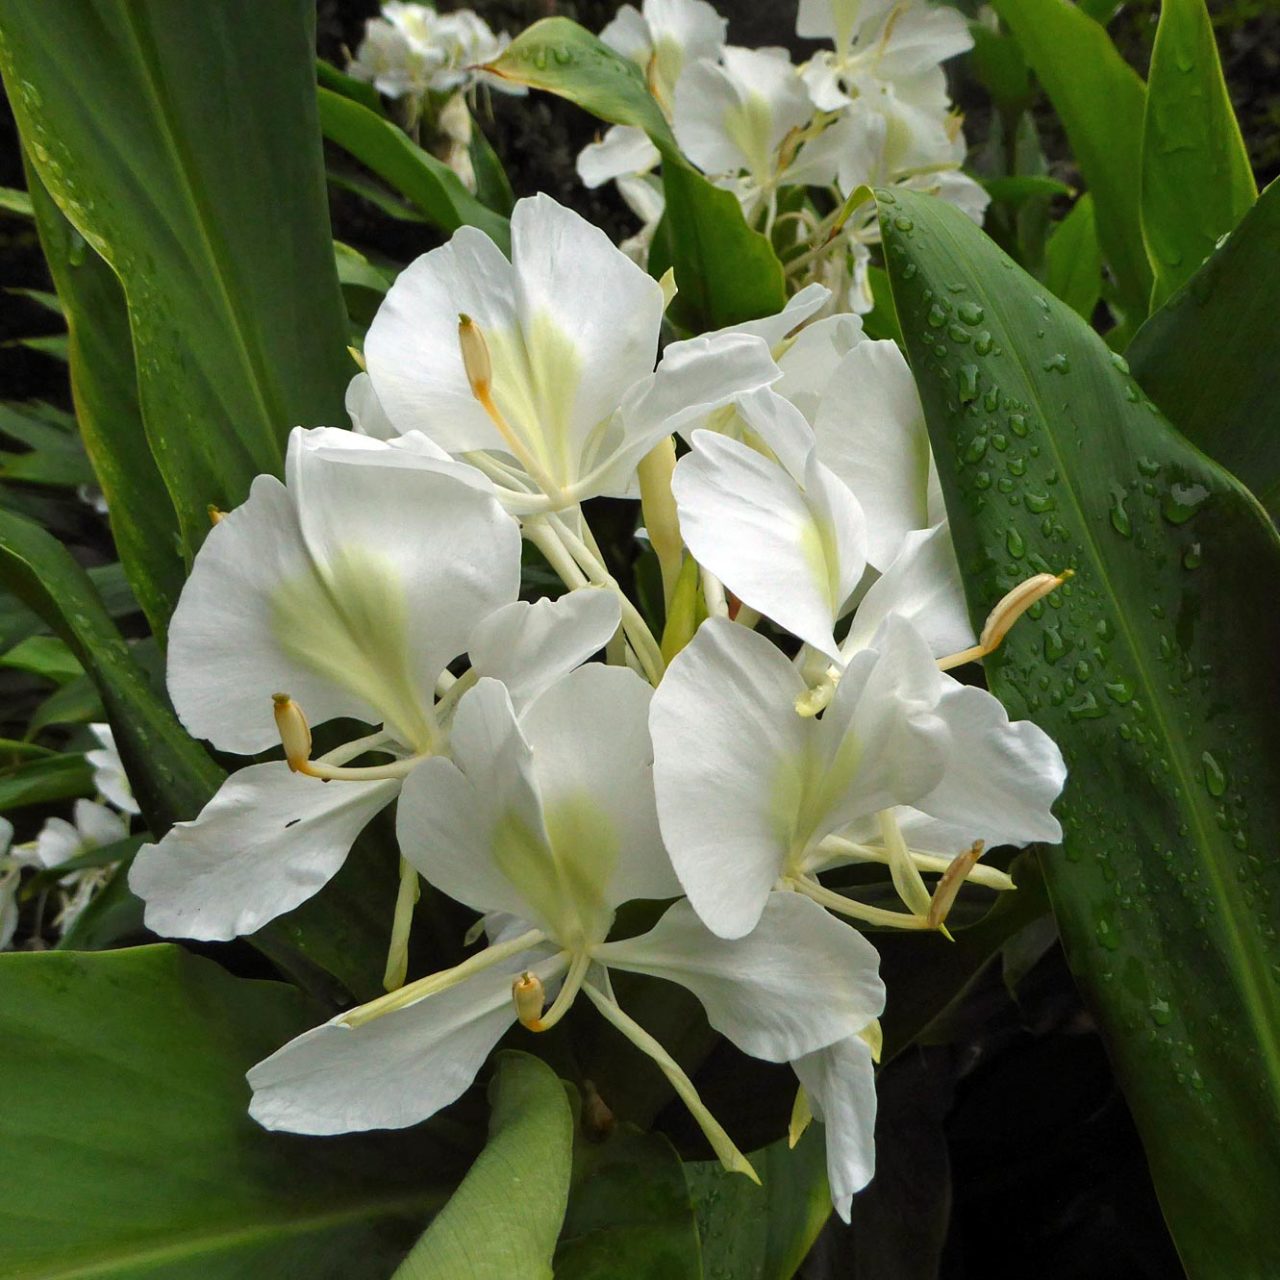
<point x="530" y="996"/>
<point x="295" y="733"/>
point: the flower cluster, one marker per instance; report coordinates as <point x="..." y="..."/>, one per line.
<point x="793" y="715"/>
<point x="430" y="62"/>
<point x="95" y="824"/>
<point x="871" y="110"/>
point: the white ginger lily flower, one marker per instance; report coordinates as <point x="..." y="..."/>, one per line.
<point x="797" y="796"/>
<point x="661" y="38"/>
<point x="547" y="382"/>
<point x="93" y="826"/>
<point x="732" y="117"/>
<point x="318" y="587"/>
<point x="109" y="777"/>
<point x="548" y="817"/>
<point x="903" y="44"/>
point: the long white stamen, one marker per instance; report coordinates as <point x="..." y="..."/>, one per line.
<point x="856" y="910"/>
<point x="442" y="981"/>
<point x="723" y="1145"/>
<point x="401" y="923"/>
<point x="837" y="847"/>
<point x="907" y="879"/>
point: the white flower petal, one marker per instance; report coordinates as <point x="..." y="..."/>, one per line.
<point x="1002" y="776"/>
<point x="412" y="349"/>
<point x="871" y="433"/>
<point x="530" y="646"/>
<point x="593" y="763"/>
<point x="365" y="410"/>
<point x="623" y="151"/>
<point x="840" y="1082"/>
<point x="267" y="841"/>
<point x="800" y="980"/>
<point x="390" y="1072"/>
<point x="728" y="751"/>
<point x="793" y="554"/>
<point x="923" y="586"/>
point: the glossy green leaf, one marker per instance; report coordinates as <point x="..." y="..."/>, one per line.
<point x="629" y="1200"/>
<point x="172" y="775"/>
<point x="427" y="182"/>
<point x="1073" y="259"/>
<point x="15" y="202"/>
<point x="144" y="525"/>
<point x="1209" y="356"/>
<point x="181" y="141"/>
<point x="502" y="1222"/>
<point x="726" y="271"/>
<point x="1197" y="182"/>
<point x="1101" y="102"/>
<point x="1153" y="669"/>
<point x="764" y="1232"/>
<point x="45" y="780"/>
<point x="125" y="1111"/>
<point x="45" y="656"/>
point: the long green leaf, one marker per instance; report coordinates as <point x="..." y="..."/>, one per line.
<point x="1154" y="671"/>
<point x="502" y="1222"/>
<point x="1101" y="102"/>
<point x="1073" y="261"/>
<point x="726" y="271"/>
<point x="45" y="780"/>
<point x="104" y="384"/>
<point x="182" y="142"/>
<point x="1209" y="356"/>
<point x="171" y="774"/>
<point x="1197" y="182"/>
<point x="429" y="183"/>
<point x="125" y="1110"/>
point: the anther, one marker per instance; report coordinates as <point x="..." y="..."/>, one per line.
<point x="944" y="893"/>
<point x="295" y="733"/>
<point x="530" y="997"/>
<point x="216" y="516"/>
<point x="1000" y="620"/>
<point x="475" y="357"/>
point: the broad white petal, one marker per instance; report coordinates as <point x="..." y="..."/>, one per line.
<point x="840" y="1081"/>
<point x="266" y="842"/>
<point x="728" y="768"/>
<point x="923" y="586"/>
<point x="773" y="329"/>
<point x="593" y="764"/>
<point x="871" y="433"/>
<point x="922" y="36"/>
<point x="1001" y="777"/>
<point x="412" y="349"/>
<point x="884" y="741"/>
<point x="389" y="1073"/>
<point x="624" y="150"/>
<point x="474" y="828"/>
<point x="800" y="980"/>
<point x="590" y="319"/>
<point x="812" y="357"/>
<point x="109" y="775"/>
<point x="777" y="547"/>
<point x="530" y="646"/>
<point x="365" y="410"/>
<point x="628" y="34"/>
<point x="97" y="824"/>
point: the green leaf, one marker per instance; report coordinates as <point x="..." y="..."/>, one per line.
<point x="171" y="774"/>
<point x="76" y="702"/>
<point x="45" y="656"/>
<point x="1101" y="101"/>
<point x="1208" y="357"/>
<point x="493" y="187"/>
<point x="764" y="1232"/>
<point x="502" y="1222"/>
<point x="45" y="780"/>
<point x="1197" y="182"/>
<point x="126" y="1113"/>
<point x="1073" y="260"/>
<point x="329" y="77"/>
<point x="1153" y="669"/>
<point x="181" y="141"/>
<point x="144" y="524"/>
<point x="629" y="1200"/>
<point x="15" y="202"/>
<point x="726" y="271"/>
<point x="1018" y="188"/>
<point x="427" y="182"/>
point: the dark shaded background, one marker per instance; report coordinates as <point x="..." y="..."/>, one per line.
<point x="1005" y="1148"/>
